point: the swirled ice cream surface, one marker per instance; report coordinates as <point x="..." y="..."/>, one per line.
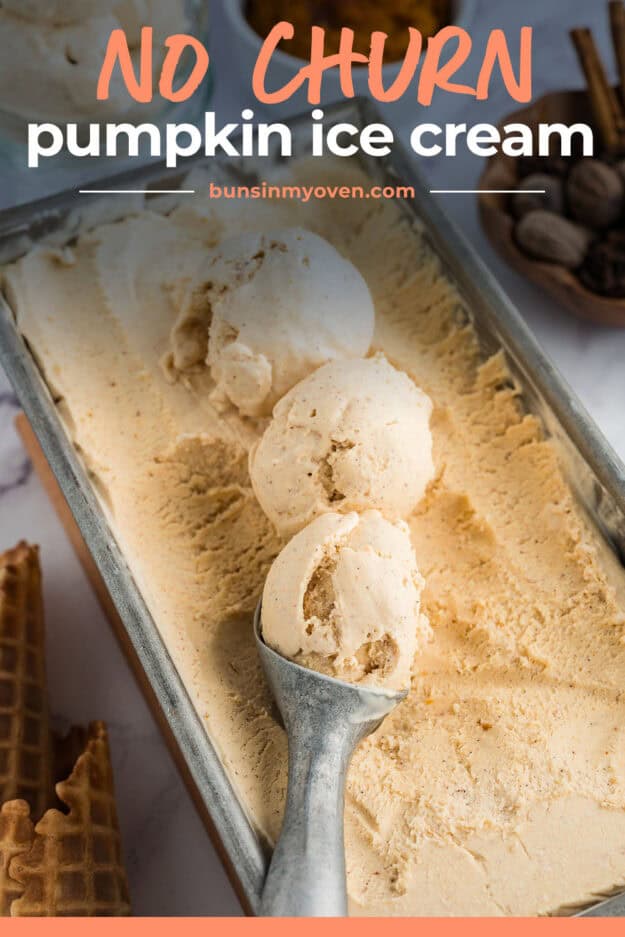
<point x="498" y="786"/>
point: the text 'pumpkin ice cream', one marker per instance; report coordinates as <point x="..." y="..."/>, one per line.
<point x="265" y="311"/>
<point x="353" y="436"/>
<point x="343" y="597"/>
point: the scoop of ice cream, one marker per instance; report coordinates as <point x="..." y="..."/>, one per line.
<point x="343" y="597"/>
<point x="266" y="312"/>
<point x="354" y="435"/>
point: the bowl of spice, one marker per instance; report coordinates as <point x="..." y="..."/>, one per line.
<point x="562" y="225"/>
<point x="251" y="21"/>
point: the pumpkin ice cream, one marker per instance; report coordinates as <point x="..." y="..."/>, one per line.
<point x="354" y="435"/>
<point x="343" y="598"/>
<point x="263" y="311"/>
<point x="498" y="785"/>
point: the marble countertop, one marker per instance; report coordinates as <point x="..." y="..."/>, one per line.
<point x="172" y="866"/>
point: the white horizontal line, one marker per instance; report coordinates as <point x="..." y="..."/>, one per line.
<point x="136" y="191"/>
<point x="488" y="191"/>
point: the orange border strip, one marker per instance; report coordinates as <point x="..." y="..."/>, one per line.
<point x="363" y="927"/>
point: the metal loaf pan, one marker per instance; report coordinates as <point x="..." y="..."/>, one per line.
<point x="593" y="469"/>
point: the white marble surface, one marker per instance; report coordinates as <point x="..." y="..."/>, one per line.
<point x="172" y="865"/>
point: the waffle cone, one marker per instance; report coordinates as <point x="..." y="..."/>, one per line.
<point x="25" y="762"/>
<point x="74" y="866"/>
<point x="16" y="838"/>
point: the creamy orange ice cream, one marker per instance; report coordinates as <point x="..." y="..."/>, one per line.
<point x="264" y="311"/>
<point x="343" y="597"/>
<point x="498" y="785"/>
<point x="354" y="435"/>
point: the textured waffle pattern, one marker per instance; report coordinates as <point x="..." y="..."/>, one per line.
<point x="16" y="837"/>
<point x="24" y="730"/>
<point x="74" y="867"/>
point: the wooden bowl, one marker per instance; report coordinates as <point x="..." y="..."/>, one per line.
<point x="502" y="172"/>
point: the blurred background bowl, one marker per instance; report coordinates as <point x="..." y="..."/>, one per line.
<point x="14" y="126"/>
<point x="503" y="172"/>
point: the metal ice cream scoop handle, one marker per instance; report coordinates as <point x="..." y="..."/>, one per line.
<point x="325" y="719"/>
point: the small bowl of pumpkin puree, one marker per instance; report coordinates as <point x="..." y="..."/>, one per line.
<point x="251" y="21"/>
<point x="363" y="16"/>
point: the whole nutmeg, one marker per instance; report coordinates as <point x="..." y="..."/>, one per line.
<point x="595" y="193"/>
<point x="556" y="240"/>
<point x="554" y="164"/>
<point x="525" y="201"/>
<point x="603" y="270"/>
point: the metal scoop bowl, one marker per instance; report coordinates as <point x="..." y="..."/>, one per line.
<point x="325" y="719"/>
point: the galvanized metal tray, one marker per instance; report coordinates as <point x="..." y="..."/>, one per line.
<point x="593" y="469"/>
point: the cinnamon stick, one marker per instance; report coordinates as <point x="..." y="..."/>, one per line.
<point x="605" y="103"/>
<point x="617" y="27"/>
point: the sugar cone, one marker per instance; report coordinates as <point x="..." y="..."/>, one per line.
<point x="74" y="867"/>
<point x="16" y="838"/>
<point x="25" y="763"/>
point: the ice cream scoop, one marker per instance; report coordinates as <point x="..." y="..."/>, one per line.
<point x="352" y="436"/>
<point x="268" y="310"/>
<point x="343" y="597"/>
<point x="325" y="719"/>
